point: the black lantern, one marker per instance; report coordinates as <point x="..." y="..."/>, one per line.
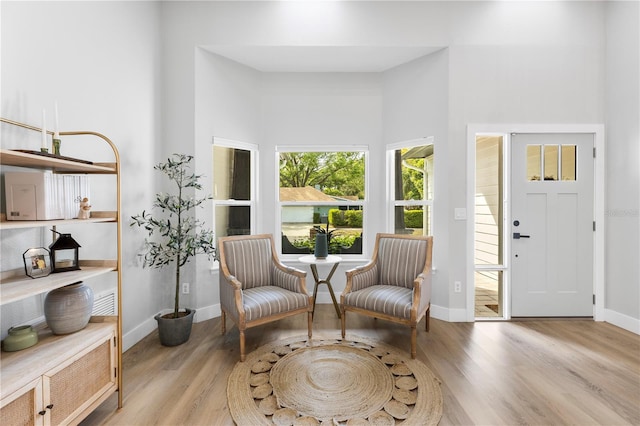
<point x="64" y="253"/>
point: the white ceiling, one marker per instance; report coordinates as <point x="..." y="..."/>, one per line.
<point x="322" y="58"/>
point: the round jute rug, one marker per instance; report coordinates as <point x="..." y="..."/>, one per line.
<point x="352" y="381"/>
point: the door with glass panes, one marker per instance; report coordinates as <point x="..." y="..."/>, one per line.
<point x="552" y="231"/>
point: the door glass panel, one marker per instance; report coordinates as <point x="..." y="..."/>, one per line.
<point x="488" y="300"/>
<point x="533" y="162"/>
<point x="569" y="162"/>
<point x="550" y="162"/>
<point x="488" y="201"/>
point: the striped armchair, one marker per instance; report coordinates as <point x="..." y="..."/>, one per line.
<point x="395" y="285"/>
<point x="255" y="288"/>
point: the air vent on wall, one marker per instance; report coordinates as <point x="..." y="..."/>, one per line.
<point x="104" y="304"/>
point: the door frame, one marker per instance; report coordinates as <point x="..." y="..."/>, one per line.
<point x="506" y="130"/>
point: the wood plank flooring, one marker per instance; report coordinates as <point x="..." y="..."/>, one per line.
<point x="535" y="372"/>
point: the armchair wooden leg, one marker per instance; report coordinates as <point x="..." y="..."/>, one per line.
<point x="414" y="338"/>
<point x="223" y="323"/>
<point x="309" y="323"/>
<point x="428" y="317"/>
<point x="242" y="345"/>
<point x="343" y="322"/>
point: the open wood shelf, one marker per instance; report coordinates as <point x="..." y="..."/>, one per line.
<point x="16" y="285"/>
<point x="96" y="217"/>
<point x="58" y="165"/>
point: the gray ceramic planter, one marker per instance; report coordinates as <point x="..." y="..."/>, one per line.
<point x="175" y="331"/>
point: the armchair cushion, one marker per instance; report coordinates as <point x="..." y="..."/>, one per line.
<point x="260" y="302"/>
<point x="386" y="299"/>
<point x="401" y="260"/>
<point x="250" y="261"/>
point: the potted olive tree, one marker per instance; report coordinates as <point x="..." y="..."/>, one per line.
<point x="174" y="237"/>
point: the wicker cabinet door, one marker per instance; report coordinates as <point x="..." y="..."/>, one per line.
<point x="25" y="408"/>
<point x="70" y="390"/>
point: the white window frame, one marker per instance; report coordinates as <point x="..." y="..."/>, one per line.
<point x="279" y="204"/>
<point x="392" y="203"/>
<point x="253" y="202"/>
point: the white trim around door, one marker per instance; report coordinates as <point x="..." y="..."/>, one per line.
<point x="599" y="211"/>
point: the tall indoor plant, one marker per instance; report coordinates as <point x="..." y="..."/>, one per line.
<point x="174" y="237"/>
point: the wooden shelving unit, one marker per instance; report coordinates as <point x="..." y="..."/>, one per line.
<point x="34" y="388"/>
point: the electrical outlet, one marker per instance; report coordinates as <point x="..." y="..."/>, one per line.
<point x="185" y="288"/>
<point x="457" y="286"/>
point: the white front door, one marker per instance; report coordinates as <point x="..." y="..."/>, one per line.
<point x="551" y="228"/>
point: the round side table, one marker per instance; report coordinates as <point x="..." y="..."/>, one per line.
<point x="314" y="262"/>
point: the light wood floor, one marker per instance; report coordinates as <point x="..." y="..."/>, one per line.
<point x="536" y="372"/>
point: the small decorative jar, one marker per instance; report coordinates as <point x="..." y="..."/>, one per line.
<point x="68" y="309"/>
<point x="21" y="337"/>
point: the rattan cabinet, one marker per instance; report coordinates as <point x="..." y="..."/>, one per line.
<point x="63" y="378"/>
<point x="71" y="382"/>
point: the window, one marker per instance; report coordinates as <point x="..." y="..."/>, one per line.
<point x="550" y="158"/>
<point x="410" y="166"/>
<point x="234" y="187"/>
<point x="322" y="190"/>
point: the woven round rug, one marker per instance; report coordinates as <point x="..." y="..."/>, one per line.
<point x="352" y="381"/>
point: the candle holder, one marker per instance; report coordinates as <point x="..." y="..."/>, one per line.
<point x="56" y="146"/>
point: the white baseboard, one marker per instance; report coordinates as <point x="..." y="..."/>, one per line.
<point x="207" y="312"/>
<point x="149" y="325"/>
<point x="623" y="321"/>
<point x="138" y="333"/>
<point x="448" y="314"/>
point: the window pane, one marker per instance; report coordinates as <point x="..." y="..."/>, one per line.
<point x="569" y="162"/>
<point x="231" y="173"/>
<point x="550" y="162"/>
<point x="233" y="220"/>
<point x="321" y="176"/>
<point x="533" y="162"/>
<point x="413" y="220"/>
<point x="344" y="225"/>
<point x="414" y="173"/>
<point x="488" y="201"/>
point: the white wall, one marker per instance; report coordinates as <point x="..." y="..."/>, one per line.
<point x="319" y="110"/>
<point x="520" y="62"/>
<point x="100" y="61"/>
<point x="622" y="87"/>
<point x="416" y="105"/>
<point x="227" y="104"/>
<point x="128" y="69"/>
